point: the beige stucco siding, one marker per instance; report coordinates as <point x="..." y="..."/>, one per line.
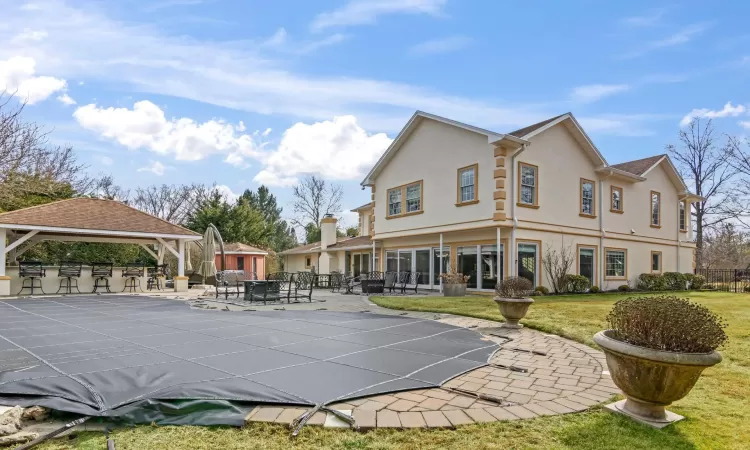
<point x="433" y="153"/>
<point x="296" y="263"/>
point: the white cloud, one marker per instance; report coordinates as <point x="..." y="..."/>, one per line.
<point x="339" y="149"/>
<point x="360" y="12"/>
<point x="705" y="113"/>
<point x="681" y="37"/>
<point x="30" y="35"/>
<point x="649" y="19"/>
<point x="227" y="193"/>
<point x="17" y="77"/>
<point x="66" y="99"/>
<point x="103" y="160"/>
<point x="281" y="42"/>
<point x="745" y="124"/>
<point x="155" y="167"/>
<point x="145" y="126"/>
<point x="441" y="45"/>
<point x="594" y="92"/>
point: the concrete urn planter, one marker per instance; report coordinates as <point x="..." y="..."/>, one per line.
<point x="651" y="379"/>
<point x="454" y="289"/>
<point x="513" y="310"/>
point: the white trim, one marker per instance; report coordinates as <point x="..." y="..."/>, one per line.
<point x="243" y="253"/>
<point x="149" y="251"/>
<point x="653" y="165"/>
<point x="168" y="247"/>
<point x="578" y="127"/>
<point x="21" y="240"/>
<point x="12" y="226"/>
<point x="115" y="240"/>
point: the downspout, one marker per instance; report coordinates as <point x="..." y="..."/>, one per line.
<point x="512" y="189"/>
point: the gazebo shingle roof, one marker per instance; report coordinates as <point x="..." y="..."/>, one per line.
<point x="92" y="214"/>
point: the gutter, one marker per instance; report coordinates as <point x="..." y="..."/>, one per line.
<point x="512" y="189"/>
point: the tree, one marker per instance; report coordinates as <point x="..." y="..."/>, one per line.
<point x="237" y="222"/>
<point x="280" y="235"/>
<point x="315" y="198"/>
<point x="352" y="231"/>
<point x="557" y="264"/>
<point x="726" y="248"/>
<point x="173" y="203"/>
<point x="707" y="166"/>
<point x="107" y="189"/>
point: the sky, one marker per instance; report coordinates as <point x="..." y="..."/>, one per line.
<point x="248" y="92"/>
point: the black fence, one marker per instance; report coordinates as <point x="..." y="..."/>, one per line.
<point x="726" y="280"/>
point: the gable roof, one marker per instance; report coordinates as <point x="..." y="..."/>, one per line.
<point x="91" y="214"/>
<point x="531" y="128"/>
<point x="342" y="243"/>
<point x="365" y="206"/>
<point x="640" y="166"/>
<point x="238" y="247"/>
<point x="411" y="125"/>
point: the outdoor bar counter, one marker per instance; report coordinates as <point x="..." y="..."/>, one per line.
<point x="51" y="283"/>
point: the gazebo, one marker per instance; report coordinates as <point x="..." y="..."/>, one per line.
<point x="89" y="220"/>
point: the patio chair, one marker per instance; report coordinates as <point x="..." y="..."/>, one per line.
<point x="335" y="281"/>
<point x="101" y="272"/>
<point x="403" y="280"/>
<point x="156" y="276"/>
<point x="69" y="272"/>
<point x="33" y="272"/>
<point x="391" y="280"/>
<point x="303" y="287"/>
<point x="413" y="279"/>
<point x="276" y="288"/>
<point x="373" y="283"/>
<point x="230" y="281"/>
<point x="132" y="272"/>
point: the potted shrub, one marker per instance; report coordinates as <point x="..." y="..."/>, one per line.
<point x="454" y="284"/>
<point x="656" y="348"/>
<point x="512" y="298"/>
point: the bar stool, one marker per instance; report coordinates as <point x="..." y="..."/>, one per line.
<point x="101" y="272"/>
<point x="155" y="276"/>
<point x="31" y="271"/>
<point x="133" y="273"/>
<point x="69" y="272"/>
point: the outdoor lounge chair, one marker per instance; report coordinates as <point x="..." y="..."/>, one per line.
<point x="391" y="279"/>
<point x="303" y="287"/>
<point x="69" y="273"/>
<point x="406" y="278"/>
<point x="230" y="281"/>
<point x="33" y="272"/>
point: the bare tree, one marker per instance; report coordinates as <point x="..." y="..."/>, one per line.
<point x="29" y="164"/>
<point x="707" y="166"/>
<point x="314" y="198"/>
<point x="557" y="264"/>
<point x="172" y="203"/>
<point x="726" y="248"/>
<point x="106" y="188"/>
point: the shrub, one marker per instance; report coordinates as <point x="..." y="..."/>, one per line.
<point x="594" y="290"/>
<point x="623" y="288"/>
<point x="674" y="281"/>
<point x="666" y="323"/>
<point x="697" y="282"/>
<point x="541" y="290"/>
<point x="651" y="282"/>
<point x="709" y="287"/>
<point x="514" y="287"/>
<point x="746" y="289"/>
<point x="577" y="284"/>
<point x="454" y="277"/>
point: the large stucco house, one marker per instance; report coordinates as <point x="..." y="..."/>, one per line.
<point x="496" y="203"/>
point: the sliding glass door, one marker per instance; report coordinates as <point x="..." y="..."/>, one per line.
<point x="527" y="262"/>
<point x="468" y="264"/>
<point x="436" y="269"/>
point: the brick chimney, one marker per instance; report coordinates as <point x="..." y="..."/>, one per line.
<point x="327" y="231"/>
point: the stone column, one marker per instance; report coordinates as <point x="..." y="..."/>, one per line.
<point x="181" y="281"/>
<point x="4" y="280"/>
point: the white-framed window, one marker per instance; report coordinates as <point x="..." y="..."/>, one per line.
<point x="616" y="263"/>
<point x="655" y="209"/>
<point x="528" y="183"/>
<point x="414" y="197"/>
<point x="683" y="215"/>
<point x="616" y="205"/>
<point x="528" y="261"/>
<point x="394" y="202"/>
<point x="467" y="184"/>
<point x="587" y="197"/>
<point x="655" y="262"/>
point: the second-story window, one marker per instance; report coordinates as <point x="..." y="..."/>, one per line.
<point x="414" y="197"/>
<point x="528" y="183"/>
<point x="394" y="202"/>
<point x="587" y="198"/>
<point x="655" y="209"/>
<point x="683" y="216"/>
<point x="616" y="206"/>
<point x="467" y="184"/>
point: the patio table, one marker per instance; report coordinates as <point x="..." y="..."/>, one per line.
<point x="253" y="287"/>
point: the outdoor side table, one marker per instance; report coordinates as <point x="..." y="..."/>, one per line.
<point x="254" y="287"/>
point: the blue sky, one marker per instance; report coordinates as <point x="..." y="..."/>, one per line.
<point x="243" y="92"/>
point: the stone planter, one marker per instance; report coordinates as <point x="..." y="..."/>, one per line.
<point x="454" y="290"/>
<point x="513" y="310"/>
<point x="651" y="379"/>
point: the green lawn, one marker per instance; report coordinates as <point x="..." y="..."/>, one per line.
<point x="717" y="410"/>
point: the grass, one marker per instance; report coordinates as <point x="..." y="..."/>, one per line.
<point x="717" y="410"/>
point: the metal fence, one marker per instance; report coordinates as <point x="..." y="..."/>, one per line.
<point x="726" y="280"/>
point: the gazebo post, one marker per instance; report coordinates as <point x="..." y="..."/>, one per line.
<point x="181" y="281"/>
<point x="4" y="279"/>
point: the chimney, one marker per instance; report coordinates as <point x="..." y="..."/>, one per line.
<point x="327" y="231"/>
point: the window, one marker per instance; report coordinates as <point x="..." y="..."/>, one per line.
<point x="587" y="198"/>
<point x="391" y="261"/>
<point x="587" y="263"/>
<point x="527" y="185"/>
<point x="683" y="216"/>
<point x="405" y="200"/>
<point x="528" y="262"/>
<point x="616" y="263"/>
<point x="308" y="262"/>
<point x="655" y="262"/>
<point x="361" y="230"/>
<point x="616" y="206"/>
<point x="240" y="263"/>
<point x="655" y="209"/>
<point x="255" y="265"/>
<point x="467" y="185"/>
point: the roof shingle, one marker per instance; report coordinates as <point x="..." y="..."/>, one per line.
<point x="92" y="214"/>
<point x="638" y="166"/>
<point x="520" y="133"/>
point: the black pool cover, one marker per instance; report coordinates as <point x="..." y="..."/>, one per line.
<point x="95" y="355"/>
